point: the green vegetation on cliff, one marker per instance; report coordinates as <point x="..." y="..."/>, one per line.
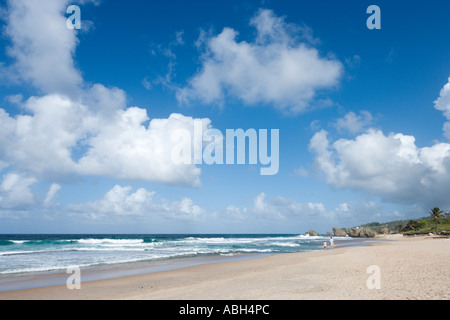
<point x="425" y="225"/>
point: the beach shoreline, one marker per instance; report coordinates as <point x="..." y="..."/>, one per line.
<point x="49" y="258"/>
<point x="31" y="280"/>
<point x="403" y="264"/>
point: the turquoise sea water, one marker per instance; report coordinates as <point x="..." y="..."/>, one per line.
<point x="21" y="254"/>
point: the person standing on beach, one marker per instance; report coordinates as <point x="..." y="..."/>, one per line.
<point x="325" y="245"/>
<point x="332" y="242"/>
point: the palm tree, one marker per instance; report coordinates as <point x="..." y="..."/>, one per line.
<point x="411" y="225"/>
<point x="436" y="213"/>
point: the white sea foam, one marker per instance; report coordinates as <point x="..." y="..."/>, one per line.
<point x="285" y="244"/>
<point x="111" y="241"/>
<point x="52" y="253"/>
<point x="18" y="241"/>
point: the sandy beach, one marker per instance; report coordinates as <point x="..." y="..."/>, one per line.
<point x="397" y="268"/>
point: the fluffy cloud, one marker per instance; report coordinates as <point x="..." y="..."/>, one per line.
<point x="276" y="209"/>
<point x="128" y="149"/>
<point x="354" y="123"/>
<point x="15" y="192"/>
<point x="39" y="42"/>
<point x="76" y="128"/>
<point x="51" y="194"/>
<point x="391" y="167"/>
<point x="277" y="68"/>
<point x="40" y="142"/>
<point x="443" y="104"/>
<point x="61" y="137"/>
<point x="19" y="193"/>
<point x="121" y="201"/>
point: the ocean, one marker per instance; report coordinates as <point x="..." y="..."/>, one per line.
<point x="22" y="254"/>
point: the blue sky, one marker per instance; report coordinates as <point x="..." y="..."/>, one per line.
<point x="87" y="115"/>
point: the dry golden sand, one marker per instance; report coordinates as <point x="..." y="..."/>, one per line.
<point x="410" y="268"/>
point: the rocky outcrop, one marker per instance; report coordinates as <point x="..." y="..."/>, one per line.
<point x="361" y="233"/>
<point x="339" y="232"/>
<point x="384" y="230"/>
<point x="312" y="233"/>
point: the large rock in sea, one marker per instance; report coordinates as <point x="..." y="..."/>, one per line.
<point x="361" y="233"/>
<point x="312" y="233"/>
<point x="339" y="232"/>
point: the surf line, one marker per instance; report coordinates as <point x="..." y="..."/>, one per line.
<point x="207" y="147"/>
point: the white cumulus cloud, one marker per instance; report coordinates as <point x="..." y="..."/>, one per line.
<point x="443" y="104"/>
<point x="122" y="201"/>
<point x="279" y="67"/>
<point x="354" y="123"/>
<point x="42" y="46"/>
<point x="60" y="137"/>
<point x="390" y="166"/>
<point x="274" y="210"/>
<point x="75" y="127"/>
<point x="15" y="192"/>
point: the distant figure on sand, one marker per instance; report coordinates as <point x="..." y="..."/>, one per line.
<point x="325" y="245"/>
<point x="331" y="242"/>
